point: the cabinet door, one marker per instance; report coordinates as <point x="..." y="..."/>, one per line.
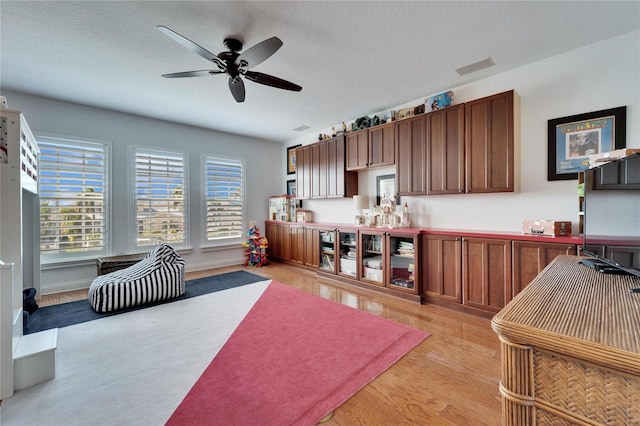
<point x="445" y="150"/>
<point x="404" y="252"/>
<point x="530" y="258"/>
<point x="311" y="247"/>
<point x="339" y="182"/>
<point x="271" y="232"/>
<point x="358" y="150"/>
<point x="622" y="174"/>
<point x="303" y="172"/>
<point x="442" y="267"/>
<point x="284" y="242"/>
<point x="327" y="250"/>
<point x="372" y="267"/>
<point x="382" y="145"/>
<point x="319" y="170"/>
<point x="347" y="253"/>
<point x="486" y="273"/>
<point x="296" y="234"/>
<point x="410" y="156"/>
<point x="489" y="144"/>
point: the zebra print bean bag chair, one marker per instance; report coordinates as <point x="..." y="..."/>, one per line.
<point x="159" y="276"/>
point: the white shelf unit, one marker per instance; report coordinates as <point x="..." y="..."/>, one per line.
<point x="19" y="216"/>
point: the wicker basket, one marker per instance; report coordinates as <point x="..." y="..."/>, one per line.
<point x="114" y="263"/>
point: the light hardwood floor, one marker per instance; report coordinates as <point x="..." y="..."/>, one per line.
<point x="451" y="378"/>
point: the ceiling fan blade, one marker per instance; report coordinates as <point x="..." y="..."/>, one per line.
<point x="236" y="85"/>
<point x="258" y="53"/>
<point x="199" y="73"/>
<point x="272" y="81"/>
<point x="193" y="46"/>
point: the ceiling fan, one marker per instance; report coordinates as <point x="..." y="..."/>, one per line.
<point x="233" y="63"/>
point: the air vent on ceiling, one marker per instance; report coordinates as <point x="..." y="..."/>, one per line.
<point x="476" y="66"/>
<point x="301" y="128"/>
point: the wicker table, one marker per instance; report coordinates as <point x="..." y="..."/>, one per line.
<point x="571" y="349"/>
<point x="114" y="263"/>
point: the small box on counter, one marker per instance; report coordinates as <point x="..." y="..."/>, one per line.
<point x="600" y="158"/>
<point x="304" y="216"/>
<point x="546" y="227"/>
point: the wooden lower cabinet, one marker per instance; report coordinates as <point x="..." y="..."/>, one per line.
<point x="311" y="247"/>
<point x="296" y="235"/>
<point x="271" y="232"/>
<point x="486" y="273"/>
<point x="293" y="243"/>
<point x="441" y="265"/>
<point x="530" y="258"/>
<point x="474" y="274"/>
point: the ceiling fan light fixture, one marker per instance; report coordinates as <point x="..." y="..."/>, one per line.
<point x="233" y="63"/>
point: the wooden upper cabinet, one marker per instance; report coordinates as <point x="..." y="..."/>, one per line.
<point x="382" y="145"/>
<point x="410" y="156"/>
<point x="373" y="147"/>
<point x="320" y="171"/>
<point x="319" y="164"/>
<point x="358" y="150"/>
<point x="621" y="174"/>
<point x="303" y="172"/>
<point x="340" y="183"/>
<point x="489" y="143"/>
<point x="445" y="151"/>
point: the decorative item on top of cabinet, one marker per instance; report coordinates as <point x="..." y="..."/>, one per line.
<point x="489" y="143"/>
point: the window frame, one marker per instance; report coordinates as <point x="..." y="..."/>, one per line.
<point x="79" y="142"/>
<point x="133" y="221"/>
<point x="231" y="241"/>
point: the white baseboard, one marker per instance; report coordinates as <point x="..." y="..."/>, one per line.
<point x="66" y="286"/>
<point x="86" y="283"/>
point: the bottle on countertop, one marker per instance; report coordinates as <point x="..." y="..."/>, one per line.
<point x="405" y="215"/>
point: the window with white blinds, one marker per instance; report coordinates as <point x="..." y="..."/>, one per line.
<point x="224" y="195"/>
<point x="160" y="198"/>
<point x="73" y="198"/>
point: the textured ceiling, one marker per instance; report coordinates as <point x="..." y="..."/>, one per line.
<point x="351" y="58"/>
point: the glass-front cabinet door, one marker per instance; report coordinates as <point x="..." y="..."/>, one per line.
<point x="327" y="250"/>
<point x="348" y="246"/>
<point x="372" y="267"/>
<point x="403" y="252"/>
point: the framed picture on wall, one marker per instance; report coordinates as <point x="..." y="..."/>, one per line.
<point x="291" y="187"/>
<point x="572" y="139"/>
<point x="291" y="159"/>
<point x="386" y="188"/>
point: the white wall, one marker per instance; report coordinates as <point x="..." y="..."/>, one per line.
<point x="600" y="76"/>
<point x="262" y="158"/>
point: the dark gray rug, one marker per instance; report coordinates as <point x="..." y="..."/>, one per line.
<point x="71" y="313"/>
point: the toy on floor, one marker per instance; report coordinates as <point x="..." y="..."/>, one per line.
<point x="256" y="247"/>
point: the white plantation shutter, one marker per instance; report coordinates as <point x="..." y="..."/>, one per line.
<point x="160" y="198"/>
<point x="73" y="198"/>
<point x="225" y="198"/>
